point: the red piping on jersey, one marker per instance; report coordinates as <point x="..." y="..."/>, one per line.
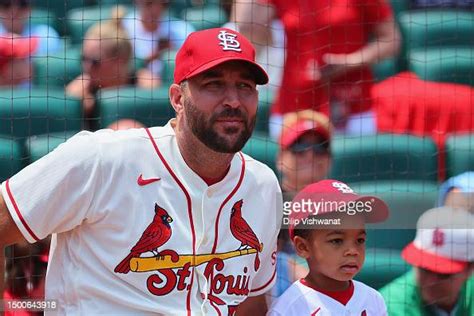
<point x="216" y="229"/>
<point x="190" y="214"/>
<point x="17" y="210"/>
<point x="216" y="308"/>
<point x="266" y="284"/>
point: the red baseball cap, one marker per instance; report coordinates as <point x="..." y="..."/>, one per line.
<point x="444" y="241"/>
<point x="328" y="196"/>
<point x="205" y="49"/>
<point x="296" y="124"/>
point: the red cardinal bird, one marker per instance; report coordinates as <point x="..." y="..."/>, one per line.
<point x="154" y="236"/>
<point x="242" y="232"/>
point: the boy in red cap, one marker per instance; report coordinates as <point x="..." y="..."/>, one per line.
<point x="326" y="224"/>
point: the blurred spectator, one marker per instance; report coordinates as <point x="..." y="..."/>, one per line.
<point x="429" y="4"/>
<point x="26" y="272"/>
<point x="272" y="57"/>
<point x="458" y="192"/>
<point x="125" y="124"/>
<point x="305" y="149"/>
<point x="15" y="18"/>
<point x="152" y="31"/>
<point x="106" y="54"/>
<point x="304" y="158"/>
<point x="15" y="63"/>
<point x="329" y="50"/>
<point x="442" y="255"/>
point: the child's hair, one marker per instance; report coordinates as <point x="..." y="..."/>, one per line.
<point x="112" y="34"/>
<point x="303" y="233"/>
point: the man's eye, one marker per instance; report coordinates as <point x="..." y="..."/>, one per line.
<point x="361" y="240"/>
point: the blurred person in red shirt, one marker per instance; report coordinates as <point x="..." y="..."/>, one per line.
<point x="330" y="48"/>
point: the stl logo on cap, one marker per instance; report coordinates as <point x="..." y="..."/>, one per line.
<point x="438" y="237"/>
<point x="229" y="41"/>
<point x="344" y="188"/>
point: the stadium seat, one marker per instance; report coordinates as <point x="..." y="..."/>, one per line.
<point x="57" y="70"/>
<point x="167" y="74"/>
<point x="381" y="267"/>
<point x="407" y="200"/>
<point x="59" y="9"/>
<point x="263" y="111"/>
<point x="11" y="157"/>
<point x="150" y="107"/>
<point x="205" y="17"/>
<point x="459" y="154"/>
<point x="39" y="145"/>
<point x="386" y="68"/>
<point x="43" y="16"/>
<point x="384" y="157"/>
<point x="263" y="149"/>
<point x="437" y="28"/>
<point x="450" y="64"/>
<point x="399" y="6"/>
<point x="26" y="112"/>
<point x="81" y="19"/>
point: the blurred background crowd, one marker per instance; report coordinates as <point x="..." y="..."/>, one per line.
<point x="375" y="93"/>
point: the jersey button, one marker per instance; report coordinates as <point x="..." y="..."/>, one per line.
<point x="209" y="193"/>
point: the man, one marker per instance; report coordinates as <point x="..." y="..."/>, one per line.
<point x="15" y="65"/>
<point x="166" y="220"/>
<point x="442" y="255"/>
<point x="15" y="17"/>
<point x="330" y="47"/>
<point x="305" y="151"/>
<point x="304" y="158"/>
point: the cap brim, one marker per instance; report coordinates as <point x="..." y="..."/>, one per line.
<point x="261" y="76"/>
<point x="289" y="137"/>
<point x="430" y="261"/>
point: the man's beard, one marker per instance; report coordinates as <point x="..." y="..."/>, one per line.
<point x="203" y="128"/>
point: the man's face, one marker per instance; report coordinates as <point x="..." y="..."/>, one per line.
<point x="440" y="289"/>
<point x="96" y="62"/>
<point x="309" y="164"/>
<point x="220" y="106"/>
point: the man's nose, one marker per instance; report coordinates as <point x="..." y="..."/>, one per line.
<point x="232" y="98"/>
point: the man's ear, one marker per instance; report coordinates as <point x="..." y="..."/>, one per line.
<point x="176" y="98"/>
<point x="302" y="247"/>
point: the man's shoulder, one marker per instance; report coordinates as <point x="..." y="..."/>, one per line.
<point x="400" y="286"/>
<point x="255" y="166"/>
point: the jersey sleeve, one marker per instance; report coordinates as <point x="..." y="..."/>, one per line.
<point x="265" y="277"/>
<point x="54" y="194"/>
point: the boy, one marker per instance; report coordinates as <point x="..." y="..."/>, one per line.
<point x="335" y="252"/>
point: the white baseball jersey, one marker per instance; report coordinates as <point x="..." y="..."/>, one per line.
<point x="302" y="300"/>
<point x="138" y="232"/>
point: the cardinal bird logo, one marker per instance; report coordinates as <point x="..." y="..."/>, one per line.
<point x="154" y="236"/>
<point x="242" y="232"/>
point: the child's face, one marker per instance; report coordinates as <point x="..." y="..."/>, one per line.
<point x="333" y="254"/>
